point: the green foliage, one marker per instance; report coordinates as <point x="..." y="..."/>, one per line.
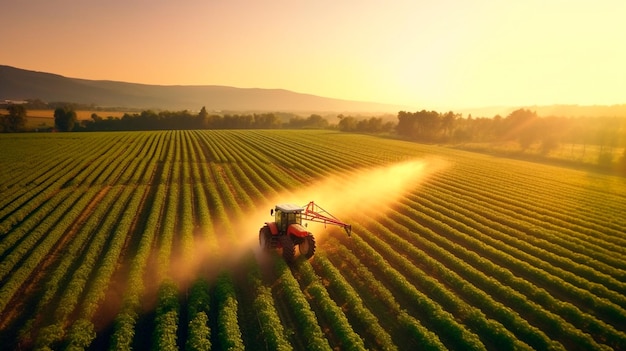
<point x="312" y="122"/>
<point x="49" y="337"/>
<point x="80" y="335"/>
<point x="273" y="332"/>
<point x="166" y="320"/>
<point x="64" y="119"/>
<point x="181" y="120"/>
<point x="305" y="317"/>
<point x="423" y="125"/>
<point x="198" y="308"/>
<point x="15" y="121"/>
<point x="199" y="333"/>
<point x="199" y="297"/>
<point x="271" y="326"/>
<point x="227" y="323"/>
<point x="348" y="339"/>
<point x="364" y="125"/>
<point x="485" y="253"/>
<point x="124" y="331"/>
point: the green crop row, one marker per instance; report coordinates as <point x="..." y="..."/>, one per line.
<point x="431" y="313"/>
<point x="363" y="317"/>
<point x="227" y="320"/>
<point x="198" y="308"/>
<point x="306" y="320"/>
<point x="167" y="317"/>
<point x="69" y="279"/>
<point x="510" y="236"/>
<point x="80" y="334"/>
<point x="273" y="332"/>
<point x="126" y="319"/>
<point x="329" y="310"/>
<point x="486" y="253"/>
<point x="464" y="289"/>
<point x="374" y="290"/>
<point x="44" y="236"/>
<point x="540" y="277"/>
<point x="522" y="293"/>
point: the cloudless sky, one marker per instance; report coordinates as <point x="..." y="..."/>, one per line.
<point x="423" y="54"/>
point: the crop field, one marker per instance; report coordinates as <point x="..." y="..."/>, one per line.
<point x="149" y="240"/>
<point x="45" y="118"/>
<point x="80" y="114"/>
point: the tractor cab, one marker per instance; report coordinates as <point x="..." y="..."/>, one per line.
<point x="286" y="215"/>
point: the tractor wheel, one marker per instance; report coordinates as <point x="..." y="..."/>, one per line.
<point x="307" y="246"/>
<point x="265" y="238"/>
<point x="289" y="250"/>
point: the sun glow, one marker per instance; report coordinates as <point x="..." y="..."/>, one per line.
<point x="410" y="53"/>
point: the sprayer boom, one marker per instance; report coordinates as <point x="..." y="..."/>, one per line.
<point x="314" y="213"/>
<point x="286" y="232"/>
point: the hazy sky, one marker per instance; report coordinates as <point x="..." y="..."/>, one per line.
<point x="424" y="54"/>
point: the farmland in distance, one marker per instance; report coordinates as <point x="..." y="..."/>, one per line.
<point x="147" y="240"/>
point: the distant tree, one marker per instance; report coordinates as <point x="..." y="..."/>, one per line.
<point x="296" y="122"/>
<point x="422" y="125"/>
<point x="64" y="119"/>
<point x="371" y="125"/>
<point x="15" y="121"/>
<point x="405" y="124"/>
<point x="520" y="124"/>
<point x="517" y="122"/>
<point x="364" y="125"/>
<point x="347" y="123"/>
<point x="447" y="123"/>
<point x="214" y="121"/>
<point x="203" y="118"/>
<point x="316" y="121"/>
<point x="266" y="121"/>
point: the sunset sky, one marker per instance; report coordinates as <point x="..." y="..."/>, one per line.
<point x="423" y="54"/>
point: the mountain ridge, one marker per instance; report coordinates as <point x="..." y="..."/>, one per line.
<point x="21" y="84"/>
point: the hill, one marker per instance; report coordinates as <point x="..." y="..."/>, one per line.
<point x="20" y="84"/>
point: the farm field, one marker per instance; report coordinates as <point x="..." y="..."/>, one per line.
<point x="148" y="240"/>
<point x="45" y="118"/>
<point x="80" y="114"/>
<point x="572" y="154"/>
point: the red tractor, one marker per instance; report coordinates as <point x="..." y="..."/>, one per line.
<point x="287" y="230"/>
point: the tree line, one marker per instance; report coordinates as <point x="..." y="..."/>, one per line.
<point x="181" y="120"/>
<point x="65" y="119"/>
<point x="522" y="126"/>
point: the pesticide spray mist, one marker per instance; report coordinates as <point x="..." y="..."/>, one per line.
<point x="348" y="196"/>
